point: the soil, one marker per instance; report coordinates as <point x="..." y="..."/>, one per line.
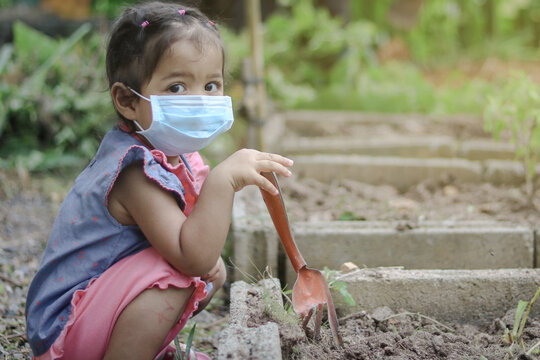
<point x="443" y="199"/>
<point x="385" y="334"/>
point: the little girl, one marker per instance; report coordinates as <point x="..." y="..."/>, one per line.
<point x="135" y="249"/>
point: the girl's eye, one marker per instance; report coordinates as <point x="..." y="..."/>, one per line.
<point x="211" y="87"/>
<point x="177" y="88"/>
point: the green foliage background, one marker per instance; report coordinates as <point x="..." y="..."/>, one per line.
<point x="54" y="104"/>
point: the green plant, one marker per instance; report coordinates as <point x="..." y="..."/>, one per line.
<point x="331" y="277"/>
<point x="54" y="107"/>
<point x="183" y="354"/>
<point x="350" y="216"/>
<point x="306" y="50"/>
<point x="516" y="335"/>
<point x="514" y="111"/>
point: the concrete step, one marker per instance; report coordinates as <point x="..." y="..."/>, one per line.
<point x="403" y="146"/>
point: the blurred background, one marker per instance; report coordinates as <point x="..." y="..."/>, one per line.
<point x="392" y="56"/>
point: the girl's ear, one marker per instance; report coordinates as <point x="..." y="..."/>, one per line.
<point x="124" y="100"/>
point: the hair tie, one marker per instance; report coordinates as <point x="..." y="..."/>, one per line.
<point x="182" y="12"/>
<point x="211" y="23"/>
<point x="145" y="23"/>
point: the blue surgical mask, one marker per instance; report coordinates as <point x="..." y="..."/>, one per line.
<point x="186" y="123"/>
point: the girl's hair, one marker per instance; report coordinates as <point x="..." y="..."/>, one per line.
<point x="144" y="32"/>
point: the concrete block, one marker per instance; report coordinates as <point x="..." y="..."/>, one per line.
<point x="431" y="246"/>
<point x="258" y="343"/>
<point x="410" y="146"/>
<point x="471" y="296"/>
<point x="501" y="172"/>
<point x="399" y="172"/>
<point x="486" y="150"/>
<point x="241" y="307"/>
<point x="241" y="340"/>
<point x="255" y="245"/>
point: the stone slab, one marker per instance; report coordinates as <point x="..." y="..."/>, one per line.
<point x="468" y="296"/>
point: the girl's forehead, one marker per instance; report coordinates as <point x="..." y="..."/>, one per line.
<point x="190" y="54"/>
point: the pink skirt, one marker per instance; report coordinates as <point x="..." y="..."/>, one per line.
<point x="94" y="310"/>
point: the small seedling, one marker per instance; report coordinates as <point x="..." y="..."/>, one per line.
<point x="515" y="111"/>
<point x="340" y="286"/>
<point x="516" y="335"/>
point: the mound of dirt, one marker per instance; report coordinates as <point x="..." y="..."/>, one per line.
<point x="385" y="334"/>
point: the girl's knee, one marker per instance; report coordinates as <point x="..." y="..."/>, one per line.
<point x="145" y="322"/>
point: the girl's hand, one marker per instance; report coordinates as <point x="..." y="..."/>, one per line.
<point x="245" y="166"/>
<point x="218" y="272"/>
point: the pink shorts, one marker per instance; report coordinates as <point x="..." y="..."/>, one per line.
<point x="95" y="309"/>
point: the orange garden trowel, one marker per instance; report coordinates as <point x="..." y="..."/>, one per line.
<point x="310" y="289"/>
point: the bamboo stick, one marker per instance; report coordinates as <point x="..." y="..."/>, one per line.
<point x="253" y="17"/>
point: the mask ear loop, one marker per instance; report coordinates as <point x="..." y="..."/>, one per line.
<point x="142" y="97"/>
<point x="139" y="95"/>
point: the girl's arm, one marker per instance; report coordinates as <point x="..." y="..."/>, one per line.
<point x="193" y="244"/>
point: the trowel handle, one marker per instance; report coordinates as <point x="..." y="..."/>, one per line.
<point x="277" y="211"/>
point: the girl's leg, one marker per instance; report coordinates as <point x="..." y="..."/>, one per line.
<point x="144" y="324"/>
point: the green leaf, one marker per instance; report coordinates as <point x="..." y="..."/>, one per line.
<point x="349" y="300"/>
<point x="5" y="55"/>
<point x="32" y="44"/>
<point x="522" y="305"/>
<point x="36" y="81"/>
<point x="178" y="354"/>
<point x="189" y="341"/>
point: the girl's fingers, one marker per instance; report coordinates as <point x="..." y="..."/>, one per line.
<point x="266" y="185"/>
<point x="277" y="158"/>
<point x="271" y="166"/>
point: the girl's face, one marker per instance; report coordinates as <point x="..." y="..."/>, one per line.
<point x="183" y="70"/>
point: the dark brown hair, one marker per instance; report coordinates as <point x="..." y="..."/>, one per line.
<point x="144" y="32"/>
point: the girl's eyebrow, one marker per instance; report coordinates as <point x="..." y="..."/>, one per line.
<point x="184" y="74"/>
<point x="177" y="74"/>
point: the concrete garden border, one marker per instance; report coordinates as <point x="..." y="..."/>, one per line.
<point x="432" y="245"/>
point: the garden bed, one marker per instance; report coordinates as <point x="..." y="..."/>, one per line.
<point x="382" y="333"/>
